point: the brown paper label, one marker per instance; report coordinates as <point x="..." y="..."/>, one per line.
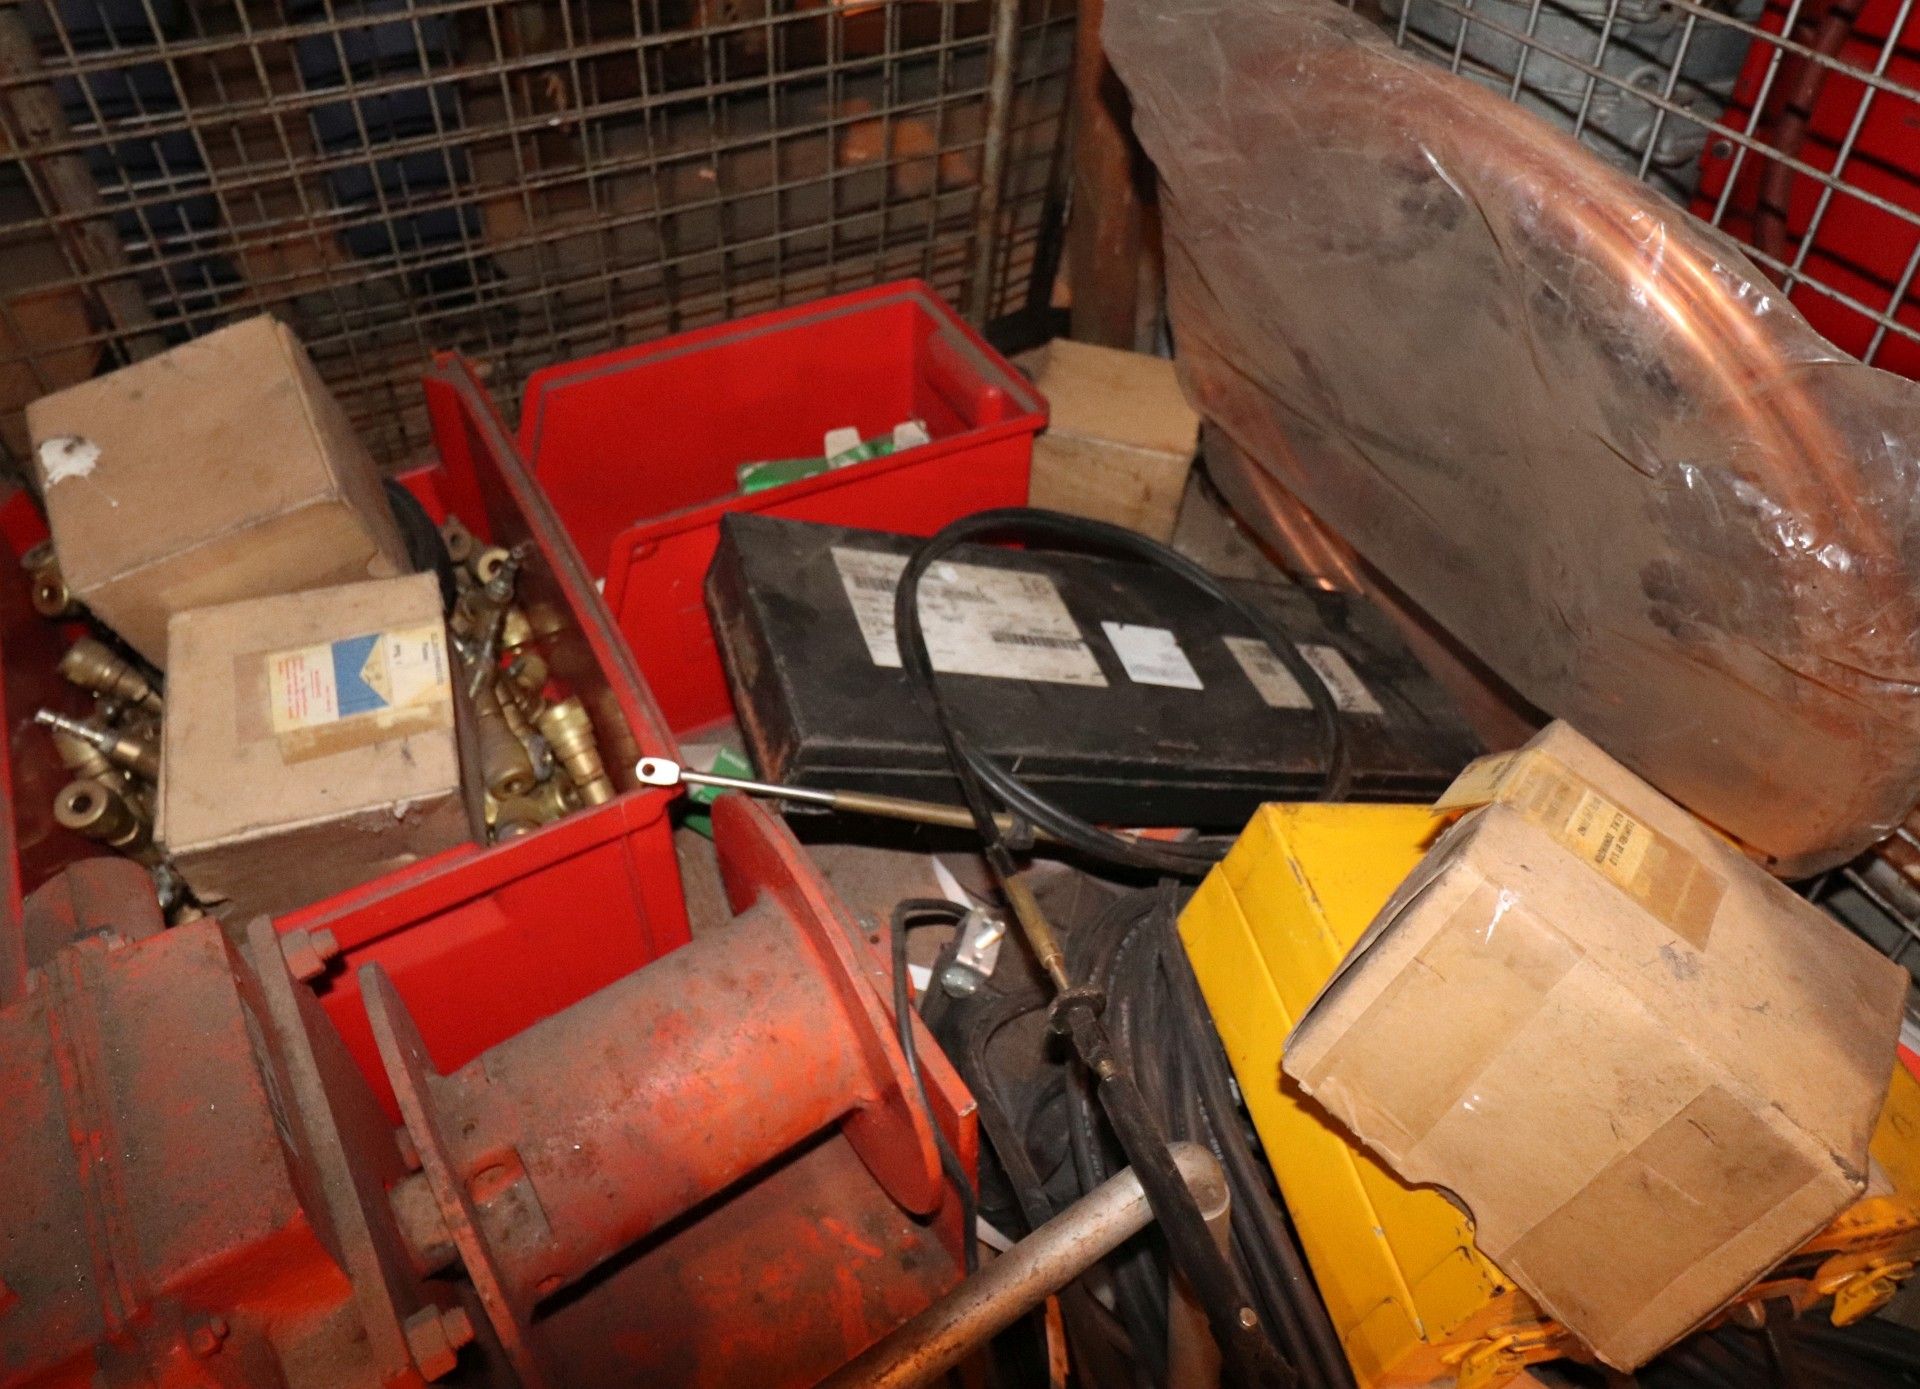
<point x="331" y="696"/>
<point x="1649" y="867"/>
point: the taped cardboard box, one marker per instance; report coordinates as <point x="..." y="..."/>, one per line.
<point x="218" y="471"/>
<point x="314" y="741"/>
<point x="1120" y="436"/>
<point x="1647" y="1068"/>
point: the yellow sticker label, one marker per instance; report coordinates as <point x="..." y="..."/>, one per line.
<point x="1657" y="873"/>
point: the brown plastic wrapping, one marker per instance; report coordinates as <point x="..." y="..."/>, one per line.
<point x="1575" y="426"/>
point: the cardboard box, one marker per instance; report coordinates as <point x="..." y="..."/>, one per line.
<point x="1120" y="437"/>
<point x="218" y="471"/>
<point x="1647" y="1068"/>
<point x="313" y="742"/>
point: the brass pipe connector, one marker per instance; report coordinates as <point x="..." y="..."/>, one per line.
<point x="505" y="767"/>
<point x="101" y="813"/>
<point x="516" y="629"/>
<point x="51" y="596"/>
<point x="93" y="666"/>
<point x="121" y="749"/>
<point x="569" y="732"/>
<point x="527" y="673"/>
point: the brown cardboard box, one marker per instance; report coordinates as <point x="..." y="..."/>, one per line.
<point x="1120" y="436"/>
<point x="217" y="471"/>
<point x="313" y="742"/>
<point x="1647" y="1068"/>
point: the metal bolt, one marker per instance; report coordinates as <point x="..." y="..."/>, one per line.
<point x="959" y="981"/>
<point x="435" y="1335"/>
<point x="1248" y="1318"/>
<point x="204" y="1340"/>
<point x="307" y="952"/>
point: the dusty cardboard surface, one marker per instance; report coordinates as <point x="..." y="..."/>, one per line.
<point x="1643" y="1104"/>
<point x="283" y="781"/>
<point x="217" y="471"/>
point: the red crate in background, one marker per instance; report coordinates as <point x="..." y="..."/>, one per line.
<point x="482" y="942"/>
<point x="637" y="451"/>
<point x="1859" y="250"/>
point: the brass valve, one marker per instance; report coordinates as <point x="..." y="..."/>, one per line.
<point x="100" y="812"/>
<point x="569" y="732"/>
<point x="92" y="666"/>
<point x="121" y="749"/>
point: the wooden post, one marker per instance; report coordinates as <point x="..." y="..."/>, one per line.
<point x="1112" y="258"/>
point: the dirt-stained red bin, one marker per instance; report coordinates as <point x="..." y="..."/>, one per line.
<point x="638" y="450"/>
<point x="481" y="942"/>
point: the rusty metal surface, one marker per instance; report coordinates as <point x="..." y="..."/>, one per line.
<point x="151" y="1222"/>
<point x="108" y="893"/>
<point x="556" y="1150"/>
<point x="790" y="1274"/>
<point x="709" y="1142"/>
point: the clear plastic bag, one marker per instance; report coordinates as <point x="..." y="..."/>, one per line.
<point x="1577" y="427"/>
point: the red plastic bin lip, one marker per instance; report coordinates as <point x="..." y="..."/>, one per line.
<point x="397" y="900"/>
<point x="1029" y="416"/>
<point x="549" y="380"/>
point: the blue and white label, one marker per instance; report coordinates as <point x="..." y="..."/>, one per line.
<point x="354" y="676"/>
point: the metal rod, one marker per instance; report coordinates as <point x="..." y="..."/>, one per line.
<point x="926" y="1347"/>
<point x="993" y="159"/>
<point x="658" y="771"/>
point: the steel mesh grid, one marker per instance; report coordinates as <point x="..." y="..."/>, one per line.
<point x="522" y="182"/>
<point x="1786" y="123"/>
<point x="1792" y="125"/>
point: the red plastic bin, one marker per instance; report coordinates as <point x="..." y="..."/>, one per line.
<point x="637" y="451"/>
<point x="481" y="942"/>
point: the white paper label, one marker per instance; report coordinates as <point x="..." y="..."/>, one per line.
<point x="1007" y="623"/>
<point x="330" y="681"/>
<point x="1151" y="656"/>
<point x="1281" y="691"/>
<point x="1349" y="693"/>
<point x="1273" y="680"/>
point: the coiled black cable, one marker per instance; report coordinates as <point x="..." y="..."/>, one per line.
<point x="1160" y="1026"/>
<point x="982" y="780"/>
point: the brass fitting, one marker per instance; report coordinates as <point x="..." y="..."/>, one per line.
<point x="490" y="563"/>
<point x="51" y="596"/>
<point x="527" y="673"/>
<point x="505" y="768"/>
<point x="92" y="666"/>
<point x="96" y="810"/>
<point x="569" y="732"/>
<point x="121" y="749"/>
<point x="515" y="629"/>
<point x="547" y="802"/>
<point x="511" y="710"/>
<point x="458" y="540"/>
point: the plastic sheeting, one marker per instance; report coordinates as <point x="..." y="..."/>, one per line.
<point x="1578" y="428"/>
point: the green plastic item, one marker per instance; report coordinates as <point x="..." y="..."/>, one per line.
<point x="726" y="762"/>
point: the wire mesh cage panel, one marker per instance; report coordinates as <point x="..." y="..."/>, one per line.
<point x="1793" y="125"/>
<point x="523" y="182"/>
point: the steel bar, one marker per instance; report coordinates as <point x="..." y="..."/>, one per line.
<point x="924" y="1349"/>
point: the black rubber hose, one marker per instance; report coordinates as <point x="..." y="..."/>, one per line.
<point x="906" y="914"/>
